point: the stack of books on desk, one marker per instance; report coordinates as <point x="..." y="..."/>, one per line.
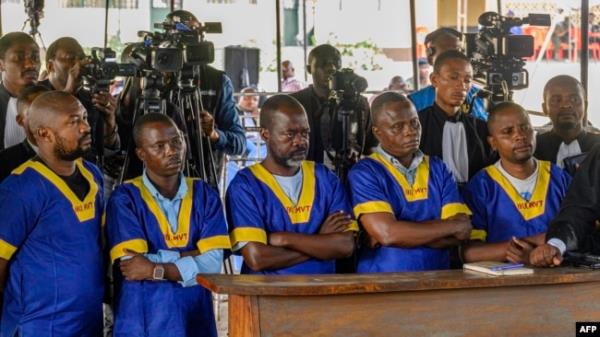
<point x="498" y="268"/>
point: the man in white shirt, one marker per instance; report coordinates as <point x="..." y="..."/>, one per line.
<point x="289" y="82"/>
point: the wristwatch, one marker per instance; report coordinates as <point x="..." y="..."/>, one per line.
<point x="158" y="274"/>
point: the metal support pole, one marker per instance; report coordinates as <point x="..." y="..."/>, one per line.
<point x="585" y="52"/>
<point x="413" y="44"/>
<point x="278" y="39"/>
<point x="106" y="3"/>
<point x="1" y="18"/>
<point x="305" y="40"/>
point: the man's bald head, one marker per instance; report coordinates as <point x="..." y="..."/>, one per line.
<point x="275" y="104"/>
<point x="28" y="95"/>
<point x="47" y="106"/>
<point x="388" y="97"/>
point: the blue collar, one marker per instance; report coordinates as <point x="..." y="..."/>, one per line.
<point x="417" y="159"/>
<point x="181" y="191"/>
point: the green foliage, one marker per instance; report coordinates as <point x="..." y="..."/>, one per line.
<point x="359" y="55"/>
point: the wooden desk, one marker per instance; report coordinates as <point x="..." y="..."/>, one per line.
<point x="441" y="303"/>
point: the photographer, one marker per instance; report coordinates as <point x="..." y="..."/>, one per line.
<point x="219" y="119"/>
<point x="64" y="61"/>
<point x="323" y="62"/>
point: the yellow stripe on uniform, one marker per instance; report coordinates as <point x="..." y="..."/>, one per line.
<point x="298" y="213"/>
<point x="533" y="207"/>
<point x="449" y="210"/>
<point x="372" y="207"/>
<point x="136" y="245"/>
<point x="353" y="227"/>
<point x="214" y="242"/>
<point x="6" y="250"/>
<point x="84" y="209"/>
<point x="245" y="234"/>
<point x="478" y="234"/>
<point x="180" y="238"/>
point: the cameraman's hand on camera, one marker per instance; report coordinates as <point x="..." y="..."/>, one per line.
<point x="208" y="126"/>
<point x="106" y="104"/>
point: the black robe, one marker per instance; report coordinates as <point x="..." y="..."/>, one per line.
<point x="575" y="223"/>
<point x="4" y="98"/>
<point x="479" y="152"/>
<point x="549" y="142"/>
<point x="13" y="157"/>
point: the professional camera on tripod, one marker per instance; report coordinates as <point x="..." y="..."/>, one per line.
<point x="345" y="103"/>
<point x="170" y="65"/>
<point x="101" y="68"/>
<point x="498" y="56"/>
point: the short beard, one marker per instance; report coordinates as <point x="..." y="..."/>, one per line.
<point x="62" y="153"/>
<point x="522" y="160"/>
<point x="289" y="162"/>
<point x="566" y="126"/>
<point x="293" y="162"/>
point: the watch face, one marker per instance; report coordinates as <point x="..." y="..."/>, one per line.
<point x="158" y="273"/>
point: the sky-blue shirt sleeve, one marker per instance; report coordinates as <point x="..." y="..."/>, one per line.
<point x="207" y="263"/>
<point x="232" y="138"/>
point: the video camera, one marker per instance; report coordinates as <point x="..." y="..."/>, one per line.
<point x="177" y="48"/>
<point x="345" y="88"/>
<point x="497" y="55"/>
<point x="102" y="68"/>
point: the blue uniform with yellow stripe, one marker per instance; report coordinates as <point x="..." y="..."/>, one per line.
<point x="377" y="187"/>
<point x="256" y="206"/>
<point x="55" y="282"/>
<point x="136" y="222"/>
<point x="499" y="212"/>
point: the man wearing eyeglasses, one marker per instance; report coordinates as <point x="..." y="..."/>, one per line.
<point x="566" y="105"/>
<point x="448" y="132"/>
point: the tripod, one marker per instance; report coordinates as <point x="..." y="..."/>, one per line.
<point x="189" y="99"/>
<point x="343" y="111"/>
<point x="150" y="101"/>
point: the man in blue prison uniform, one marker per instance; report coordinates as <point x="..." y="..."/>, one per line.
<point x="163" y="230"/>
<point x="288" y="215"/>
<point x="50" y="246"/>
<point x="514" y="200"/>
<point x="407" y="202"/>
